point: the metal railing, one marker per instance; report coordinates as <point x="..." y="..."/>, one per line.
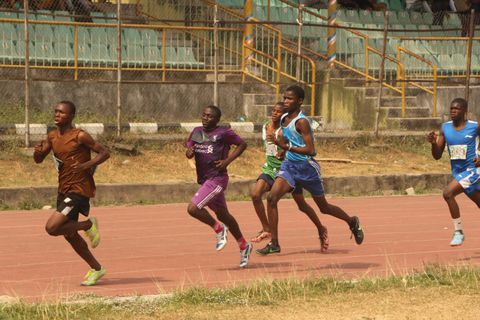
<point x="264" y="58"/>
<point x="414" y="75"/>
<point x="274" y="59"/>
<point x="448" y="54"/>
<point x="170" y="48"/>
<point x="307" y="72"/>
<point x="349" y="43"/>
<point x="353" y="45"/>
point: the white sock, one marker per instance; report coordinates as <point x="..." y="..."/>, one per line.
<point x="457" y="223"/>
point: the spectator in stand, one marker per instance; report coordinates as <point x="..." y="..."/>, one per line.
<point x="80" y="9"/>
<point x="439" y="9"/>
<point x="317" y="4"/>
<point x="475" y="4"/>
<point x="9" y="4"/>
<point x="363" y="4"/>
<point x="418" y="5"/>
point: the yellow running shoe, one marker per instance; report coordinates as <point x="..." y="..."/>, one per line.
<point x="93" y="233"/>
<point x="93" y="276"/>
<point x="88" y="274"/>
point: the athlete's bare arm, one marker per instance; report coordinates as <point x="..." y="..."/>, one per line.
<point x="223" y="164"/>
<point x="303" y="128"/>
<point x="438" y="143"/>
<point x="190" y="152"/>
<point x="41" y="150"/>
<point x="102" y="152"/>
<point x="476" y="160"/>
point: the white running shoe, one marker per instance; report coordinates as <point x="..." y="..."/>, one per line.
<point x="245" y="255"/>
<point x="222" y="238"/>
<point x="457" y="239"/>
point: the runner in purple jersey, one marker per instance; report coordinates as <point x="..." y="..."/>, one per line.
<point x="210" y="145"/>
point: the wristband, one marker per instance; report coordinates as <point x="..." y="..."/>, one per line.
<point x="289" y="147"/>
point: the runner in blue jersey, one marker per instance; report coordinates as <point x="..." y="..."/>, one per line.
<point x="461" y="137"/>
<point x="274" y="157"/>
<point x="299" y="170"/>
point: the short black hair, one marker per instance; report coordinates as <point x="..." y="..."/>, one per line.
<point x="461" y="102"/>
<point x="215" y="110"/>
<point x="297" y="90"/>
<point x="279" y="103"/>
<point x="70" y="105"/>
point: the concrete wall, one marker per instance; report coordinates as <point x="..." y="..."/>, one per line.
<point x="152" y="102"/>
<point x="183" y="192"/>
<point x="445" y="95"/>
<point x="344" y="108"/>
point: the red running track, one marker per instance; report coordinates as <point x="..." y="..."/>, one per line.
<point x="155" y="249"/>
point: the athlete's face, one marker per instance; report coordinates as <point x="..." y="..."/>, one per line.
<point x="209" y="119"/>
<point x="62" y="115"/>
<point x="277" y="112"/>
<point x="457" y="112"/>
<point x="291" y="101"/>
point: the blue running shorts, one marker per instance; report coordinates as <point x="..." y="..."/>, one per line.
<point x="469" y="180"/>
<point x="302" y="175"/>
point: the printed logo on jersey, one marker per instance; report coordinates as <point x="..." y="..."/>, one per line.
<point x="201" y="148"/>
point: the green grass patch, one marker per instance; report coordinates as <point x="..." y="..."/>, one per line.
<point x="15" y="113"/>
<point x="434" y="282"/>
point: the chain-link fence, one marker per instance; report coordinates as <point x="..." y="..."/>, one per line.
<point x="162" y="61"/>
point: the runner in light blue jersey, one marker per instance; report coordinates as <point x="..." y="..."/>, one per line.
<point x="299" y="170"/>
<point x="461" y="138"/>
<point x="266" y="179"/>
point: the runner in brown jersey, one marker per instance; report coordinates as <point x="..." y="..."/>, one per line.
<point x="72" y="157"/>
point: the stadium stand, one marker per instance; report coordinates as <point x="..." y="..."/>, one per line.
<point x="54" y="44"/>
<point x="404" y="23"/>
<point x="141" y="48"/>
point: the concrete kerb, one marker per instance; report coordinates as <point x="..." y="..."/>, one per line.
<point x="183" y="191"/>
<point x="135" y="128"/>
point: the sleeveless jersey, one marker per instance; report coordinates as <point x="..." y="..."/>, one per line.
<point x="272" y="164"/>
<point x="462" y="145"/>
<point x="294" y="138"/>
<point x="67" y="151"/>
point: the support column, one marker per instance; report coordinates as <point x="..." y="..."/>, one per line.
<point x="248" y="36"/>
<point x="332" y="33"/>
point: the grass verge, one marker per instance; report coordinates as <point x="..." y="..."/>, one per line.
<point x="435" y="293"/>
<point x="166" y="162"/>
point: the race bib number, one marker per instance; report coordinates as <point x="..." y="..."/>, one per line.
<point x="458" y="152"/>
<point x="271" y="149"/>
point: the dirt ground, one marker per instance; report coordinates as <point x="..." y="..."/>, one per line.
<point x="167" y="163"/>
<point x="418" y="303"/>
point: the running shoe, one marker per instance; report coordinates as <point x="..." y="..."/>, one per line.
<point x="268" y="249"/>
<point x="245" y="255"/>
<point x="222" y="238"/>
<point x="324" y="242"/>
<point x="356" y="229"/>
<point x="93" y="233"/>
<point x="88" y="274"/>
<point x="92" y="276"/>
<point x="262" y="235"/>
<point x="457" y="239"/>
